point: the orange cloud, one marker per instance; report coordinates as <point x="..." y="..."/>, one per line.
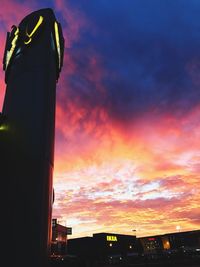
<point x="109" y="175"/>
<point x="146" y="175"/>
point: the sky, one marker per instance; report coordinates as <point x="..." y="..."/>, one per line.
<point x="127" y="149"/>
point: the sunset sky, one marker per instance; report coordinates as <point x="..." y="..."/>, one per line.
<point x="127" y="151"/>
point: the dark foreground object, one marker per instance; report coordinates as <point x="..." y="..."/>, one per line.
<point x="73" y="261"/>
<point x="32" y="65"/>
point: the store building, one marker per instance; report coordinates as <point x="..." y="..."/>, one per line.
<point x="172" y="241"/>
<point x="110" y="248"/>
<point x="103" y="247"/>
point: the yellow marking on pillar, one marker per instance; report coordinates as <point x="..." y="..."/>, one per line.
<point x="13" y="45"/>
<point x="34" y="30"/>
<point x="57" y="43"/>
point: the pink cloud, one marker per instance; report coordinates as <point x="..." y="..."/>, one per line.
<point x="73" y="19"/>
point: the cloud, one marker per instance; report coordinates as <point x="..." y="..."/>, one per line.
<point x="127" y="114"/>
<point x="121" y="215"/>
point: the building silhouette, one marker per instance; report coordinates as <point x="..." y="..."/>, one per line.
<point x="59" y="238"/>
<point x="103" y="248"/>
<point x="110" y="248"/>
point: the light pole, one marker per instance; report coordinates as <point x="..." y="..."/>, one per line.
<point x="134" y="230"/>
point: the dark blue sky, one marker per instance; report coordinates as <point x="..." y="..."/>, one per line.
<point x="149" y="51"/>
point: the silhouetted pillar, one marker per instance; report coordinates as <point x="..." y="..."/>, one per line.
<point x="32" y="62"/>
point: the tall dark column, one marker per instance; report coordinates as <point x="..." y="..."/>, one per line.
<point x="32" y="63"/>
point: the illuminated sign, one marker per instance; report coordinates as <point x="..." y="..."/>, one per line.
<point x="111" y="238"/>
<point x="30" y="35"/>
<point x="20" y="38"/>
<point x="57" y="43"/>
<point x="14" y="38"/>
